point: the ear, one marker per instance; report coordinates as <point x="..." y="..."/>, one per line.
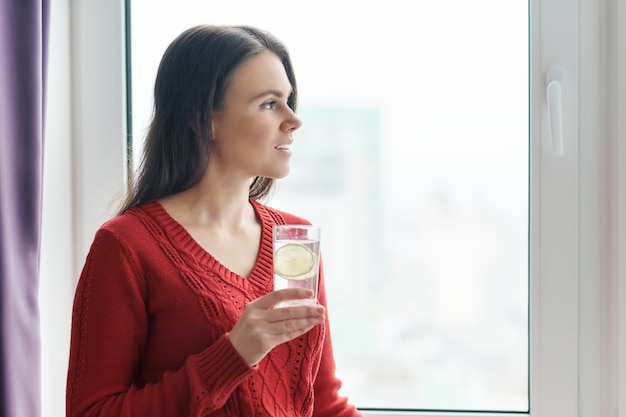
<point x="212" y="131"/>
<point x="216" y="116"/>
<point x="195" y="123"/>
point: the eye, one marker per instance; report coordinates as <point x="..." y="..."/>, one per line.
<point x="269" y="105"/>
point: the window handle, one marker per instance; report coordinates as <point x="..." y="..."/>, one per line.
<point x="554" y="96"/>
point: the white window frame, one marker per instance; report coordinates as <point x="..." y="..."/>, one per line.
<point x="578" y="225"/>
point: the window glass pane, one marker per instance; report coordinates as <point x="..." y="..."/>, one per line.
<point x="413" y="158"/>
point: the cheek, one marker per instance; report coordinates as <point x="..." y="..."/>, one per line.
<point x="241" y="128"/>
<point x="242" y="134"/>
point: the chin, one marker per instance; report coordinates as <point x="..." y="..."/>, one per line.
<point x="278" y="174"/>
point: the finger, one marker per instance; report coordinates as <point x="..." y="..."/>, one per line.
<point x="296" y="312"/>
<point x="270" y="300"/>
<point x="295" y="333"/>
<point x="284" y="328"/>
<point x="287" y="330"/>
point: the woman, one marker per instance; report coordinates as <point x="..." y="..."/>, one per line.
<point x="173" y="314"/>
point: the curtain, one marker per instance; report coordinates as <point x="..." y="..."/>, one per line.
<point x="23" y="50"/>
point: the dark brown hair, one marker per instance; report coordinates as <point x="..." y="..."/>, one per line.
<point x="192" y="80"/>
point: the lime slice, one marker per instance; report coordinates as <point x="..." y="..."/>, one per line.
<point x="295" y="262"/>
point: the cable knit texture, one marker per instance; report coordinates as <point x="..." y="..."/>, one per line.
<point x="150" y="327"/>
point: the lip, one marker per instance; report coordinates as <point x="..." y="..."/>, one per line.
<point x="284" y="147"/>
<point x="284" y="150"/>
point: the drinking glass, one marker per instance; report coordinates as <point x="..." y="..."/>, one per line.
<point x="296" y="259"/>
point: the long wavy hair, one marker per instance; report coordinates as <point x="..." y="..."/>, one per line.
<point x="192" y="80"/>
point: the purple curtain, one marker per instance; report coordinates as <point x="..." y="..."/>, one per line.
<point x="23" y="51"/>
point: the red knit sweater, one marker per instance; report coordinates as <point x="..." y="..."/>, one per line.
<point x="150" y="327"/>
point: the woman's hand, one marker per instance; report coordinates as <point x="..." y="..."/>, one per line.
<point x="261" y="327"/>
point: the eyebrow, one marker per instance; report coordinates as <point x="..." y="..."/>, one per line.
<point x="273" y="92"/>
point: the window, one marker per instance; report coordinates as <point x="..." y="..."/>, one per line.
<point x="576" y="316"/>
<point x="413" y="157"/>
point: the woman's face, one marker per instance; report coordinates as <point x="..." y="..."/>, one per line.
<point x="254" y="128"/>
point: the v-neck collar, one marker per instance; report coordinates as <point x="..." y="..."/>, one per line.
<point x="261" y="274"/>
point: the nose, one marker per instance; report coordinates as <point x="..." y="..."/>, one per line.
<point x="292" y="122"/>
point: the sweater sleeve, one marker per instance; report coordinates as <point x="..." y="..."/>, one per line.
<point x="328" y="402"/>
<point x="110" y="326"/>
